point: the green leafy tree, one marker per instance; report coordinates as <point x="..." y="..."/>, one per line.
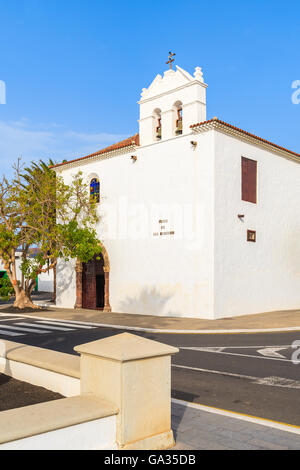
<point x="39" y="210"/>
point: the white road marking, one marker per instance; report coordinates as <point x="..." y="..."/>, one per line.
<point x="10" y="333"/>
<point x="218" y="372"/>
<point x="65" y="324"/>
<point x="272" y="381"/>
<point x="27" y="330"/>
<point x="45" y="327"/>
<point x="221" y="348"/>
<point x="279" y="382"/>
<point x="271" y="352"/>
<point x="12" y="319"/>
<point x="232" y="414"/>
<point x="213" y="350"/>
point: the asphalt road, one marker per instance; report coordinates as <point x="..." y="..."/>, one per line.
<point x="247" y="373"/>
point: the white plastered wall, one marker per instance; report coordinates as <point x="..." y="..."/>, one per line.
<point x="66" y="283"/>
<point x="163" y="94"/>
<point x="262" y="276"/>
<point x="159" y="275"/>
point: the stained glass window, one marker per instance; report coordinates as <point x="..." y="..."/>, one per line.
<point x="95" y="190"/>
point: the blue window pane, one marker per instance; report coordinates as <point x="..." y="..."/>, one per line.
<point x="95" y="190"/>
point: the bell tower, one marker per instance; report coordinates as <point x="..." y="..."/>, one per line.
<point x="171" y="104"/>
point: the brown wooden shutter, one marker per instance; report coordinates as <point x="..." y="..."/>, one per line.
<point x="249" y="180"/>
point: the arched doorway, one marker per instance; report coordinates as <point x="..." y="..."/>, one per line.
<point x="92" y="283"/>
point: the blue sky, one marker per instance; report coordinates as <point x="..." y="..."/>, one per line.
<point x="74" y="69"/>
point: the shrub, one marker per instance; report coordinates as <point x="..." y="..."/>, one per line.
<point x="6" y="289"/>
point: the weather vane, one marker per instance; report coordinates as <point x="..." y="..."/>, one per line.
<point x="170" y="59"/>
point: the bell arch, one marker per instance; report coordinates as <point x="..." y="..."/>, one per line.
<point x="177" y="122"/>
<point x="157" y="129"/>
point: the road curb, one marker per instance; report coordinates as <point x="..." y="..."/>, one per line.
<point x="292" y="428"/>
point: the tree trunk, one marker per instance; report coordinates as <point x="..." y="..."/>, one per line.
<point x="54" y="285"/>
<point x="23" y="300"/>
<point x="23" y="296"/>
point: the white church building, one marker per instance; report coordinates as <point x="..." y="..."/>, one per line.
<point x="199" y="218"/>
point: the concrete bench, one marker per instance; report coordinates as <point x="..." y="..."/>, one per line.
<point x="58" y="424"/>
<point x="53" y="370"/>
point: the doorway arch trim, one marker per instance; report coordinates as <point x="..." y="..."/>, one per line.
<point x="106" y="269"/>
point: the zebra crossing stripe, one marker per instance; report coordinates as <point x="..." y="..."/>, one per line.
<point x="65" y="324"/>
<point x="12" y="319"/>
<point x="27" y="330"/>
<point x="50" y="327"/>
<point x="10" y="333"/>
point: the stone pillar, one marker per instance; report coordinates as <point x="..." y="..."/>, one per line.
<point x="107" y="307"/>
<point x="134" y="374"/>
<point x="79" y="270"/>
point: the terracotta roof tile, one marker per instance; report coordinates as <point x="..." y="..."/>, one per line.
<point x="244" y="132"/>
<point x="134" y="140"/>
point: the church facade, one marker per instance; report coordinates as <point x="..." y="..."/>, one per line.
<point x="198" y="218"/>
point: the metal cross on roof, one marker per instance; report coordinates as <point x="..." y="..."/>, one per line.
<point x="170" y="59"/>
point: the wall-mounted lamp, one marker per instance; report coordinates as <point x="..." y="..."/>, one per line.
<point x="241" y="216"/>
<point x="194" y="144"/>
<point x="134" y="158"/>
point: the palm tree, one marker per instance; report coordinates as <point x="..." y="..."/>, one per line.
<point x="30" y="176"/>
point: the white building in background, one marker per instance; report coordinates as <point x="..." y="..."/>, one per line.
<point x="44" y="281"/>
<point x="198" y="218"/>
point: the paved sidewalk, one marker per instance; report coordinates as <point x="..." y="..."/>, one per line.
<point x="271" y="320"/>
<point x="201" y="430"/>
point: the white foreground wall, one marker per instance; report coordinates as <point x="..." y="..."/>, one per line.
<point x="99" y="434"/>
<point x="118" y="413"/>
